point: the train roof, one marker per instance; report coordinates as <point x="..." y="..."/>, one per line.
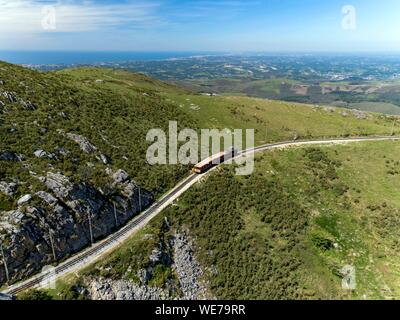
<point x="210" y="159"/>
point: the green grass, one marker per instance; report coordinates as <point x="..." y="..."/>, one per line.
<point x="387" y="108"/>
<point x="113" y="115"/>
<point x="286" y="231"/>
<point x="263" y="249"/>
<point x="278" y="121"/>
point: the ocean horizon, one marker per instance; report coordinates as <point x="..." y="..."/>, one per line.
<point x="90" y="57"/>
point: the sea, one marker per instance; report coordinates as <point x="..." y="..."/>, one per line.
<point x="90" y="57"/>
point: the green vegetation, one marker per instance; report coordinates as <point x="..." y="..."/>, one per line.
<point x="284" y="232"/>
<point x="287" y="231"/>
<point x="35" y="294"/>
<point x="115" y="109"/>
<point x="277" y="121"/>
<point x="114" y="117"/>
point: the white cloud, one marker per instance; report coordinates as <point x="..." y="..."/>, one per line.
<point x="27" y="16"/>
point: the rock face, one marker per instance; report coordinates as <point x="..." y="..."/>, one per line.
<point x="359" y="114"/>
<point x="62" y="219"/>
<point x="104" y="289"/>
<point x="6" y="297"/>
<point x="10" y="156"/>
<point x="188" y="269"/>
<point x="8" y="189"/>
<point x="25" y="199"/>
<point x="83" y="142"/>
<point x="40" y="153"/>
<point x="179" y="254"/>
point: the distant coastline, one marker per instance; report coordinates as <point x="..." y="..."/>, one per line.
<point x="91" y="57"/>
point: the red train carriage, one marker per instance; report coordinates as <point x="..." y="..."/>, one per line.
<point x="214" y="160"/>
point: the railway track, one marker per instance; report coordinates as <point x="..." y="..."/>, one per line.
<point x="91" y="254"/>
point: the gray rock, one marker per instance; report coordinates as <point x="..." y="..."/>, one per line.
<point x="104" y="289"/>
<point x="359" y="114"/>
<point x="83" y="142"/>
<point x="6" y="297"/>
<point x="28" y="105"/>
<point x="10" y="156"/>
<point x="10" y="96"/>
<point x="40" y="154"/>
<point x="8" y="189"/>
<point x="25" y="199"/>
<point x="105" y="159"/>
<point x="156" y="255"/>
<point x="69" y="204"/>
<point x="120" y="176"/>
<point x="59" y="184"/>
<point x="47" y="197"/>
<point x="187" y="268"/>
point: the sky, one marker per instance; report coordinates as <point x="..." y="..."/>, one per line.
<point x="201" y="25"/>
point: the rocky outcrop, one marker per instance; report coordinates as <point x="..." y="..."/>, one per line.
<point x="10" y="156"/>
<point x="178" y="253"/>
<point x="25" y="199"/>
<point x="8" y="189"/>
<point x="188" y="270"/>
<point x="83" y="142"/>
<point x="64" y="218"/>
<point x="104" y="289"/>
<point x="361" y="115"/>
<point x="12" y="98"/>
<point x="6" y="297"/>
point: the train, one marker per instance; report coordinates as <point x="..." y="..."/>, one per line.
<point x="214" y="160"/>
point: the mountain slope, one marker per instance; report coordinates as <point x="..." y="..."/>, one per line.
<point x="285" y="232"/>
<point x="73" y="151"/>
<point x="72" y="162"/>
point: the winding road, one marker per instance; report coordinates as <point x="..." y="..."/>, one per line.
<point x="92" y="254"/>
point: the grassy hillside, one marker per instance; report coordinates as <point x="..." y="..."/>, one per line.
<point x="286" y="231"/>
<point x="113" y="117"/>
<point x="115" y="109"/>
<point x="277" y="121"/>
<point x="272" y="120"/>
<point x="372" y="96"/>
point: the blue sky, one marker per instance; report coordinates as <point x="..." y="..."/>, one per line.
<point x="199" y="25"/>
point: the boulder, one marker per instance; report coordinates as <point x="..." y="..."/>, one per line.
<point x="10" y="156"/>
<point x="40" y="153"/>
<point x="25" y="199"/>
<point x="6" y="297"/>
<point x="8" y="189"/>
<point x="58" y="184"/>
<point x="10" y="96"/>
<point x="47" y="197"/>
<point x="83" y="142"/>
<point x="105" y="159"/>
<point x="120" y="176"/>
<point x="28" y="105"/>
